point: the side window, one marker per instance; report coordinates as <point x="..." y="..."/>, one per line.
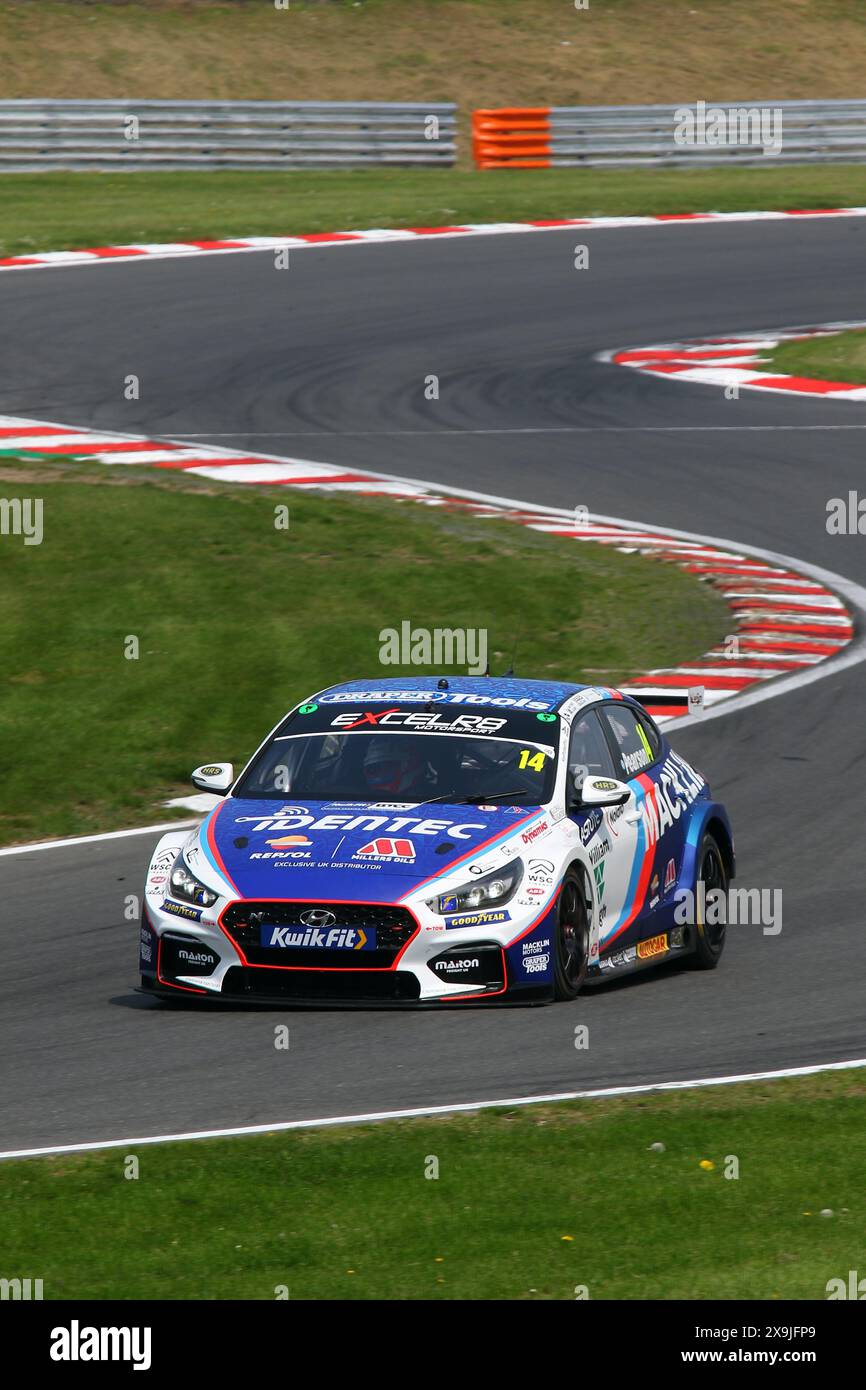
<point x="588" y="753"/>
<point x="637" y="745"/>
<point x="652" y="735"/>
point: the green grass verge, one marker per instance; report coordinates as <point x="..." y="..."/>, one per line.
<point x="529" y="1204"/>
<point x="838" y="357"/>
<point x="236" y="620"/>
<point x="45" y="212"/>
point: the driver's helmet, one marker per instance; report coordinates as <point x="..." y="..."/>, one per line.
<point x="393" y="764"/>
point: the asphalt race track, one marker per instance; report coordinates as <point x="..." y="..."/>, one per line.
<point x="326" y="361"/>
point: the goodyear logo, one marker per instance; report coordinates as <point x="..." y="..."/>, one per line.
<point x="478" y="919"/>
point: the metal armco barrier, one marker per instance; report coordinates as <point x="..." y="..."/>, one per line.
<point x="108" y="135"/>
<point x="551" y="137"/>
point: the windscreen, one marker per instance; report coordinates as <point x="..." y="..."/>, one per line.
<point x="409" y="754"/>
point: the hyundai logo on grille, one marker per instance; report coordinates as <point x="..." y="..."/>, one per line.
<point x="318" y="917"/>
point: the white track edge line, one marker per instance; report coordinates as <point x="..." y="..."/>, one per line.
<point x="428" y="1111"/>
<point x="94" y="839"/>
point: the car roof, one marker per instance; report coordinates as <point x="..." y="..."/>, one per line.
<point x="551" y="693"/>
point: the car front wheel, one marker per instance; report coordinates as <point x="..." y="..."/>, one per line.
<point x="572" y="939"/>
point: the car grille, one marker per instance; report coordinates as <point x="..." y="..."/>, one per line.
<point x="394" y="926"/>
<point x="329" y="986"/>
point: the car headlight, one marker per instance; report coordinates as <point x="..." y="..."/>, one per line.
<point x="490" y="891"/>
<point x="184" y="885"/>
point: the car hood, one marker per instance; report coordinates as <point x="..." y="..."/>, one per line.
<point x="351" y="851"/>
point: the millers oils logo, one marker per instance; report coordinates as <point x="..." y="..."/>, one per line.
<point x="391" y="851"/>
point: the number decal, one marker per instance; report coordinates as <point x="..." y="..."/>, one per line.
<point x="530" y="759"/>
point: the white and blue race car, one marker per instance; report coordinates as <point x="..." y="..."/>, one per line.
<point x="428" y="841"/>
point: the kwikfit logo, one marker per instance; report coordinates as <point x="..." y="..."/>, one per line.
<point x="327" y="939"/>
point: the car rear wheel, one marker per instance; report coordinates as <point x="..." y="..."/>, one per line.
<point x="710" y="935"/>
<point x="572" y="939"/>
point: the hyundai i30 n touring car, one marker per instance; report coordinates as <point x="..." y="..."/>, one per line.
<point x="418" y="840"/>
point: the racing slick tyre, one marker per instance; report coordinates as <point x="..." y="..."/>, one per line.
<point x="571" y="956"/>
<point x="710" y="936"/>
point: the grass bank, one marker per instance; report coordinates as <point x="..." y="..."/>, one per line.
<point x="58" y="211"/>
<point x="535" y="1204"/>
<point x="235" y="619"/>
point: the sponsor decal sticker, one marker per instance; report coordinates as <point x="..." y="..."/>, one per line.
<point x="656" y="946"/>
<point x="633" y="762"/>
<point x="428" y="723"/>
<point x="535" y="832"/>
<point x="670" y="875"/>
<point x="192" y="914"/>
<point x="293" y="856"/>
<point x="541" y="866"/>
<point x="618" y="959"/>
<point x="320" y="938"/>
<point x="425" y="697"/>
<point x="591" y="824"/>
<point x="598" y="874"/>
<point x="536" y="965"/>
<point x="478" y="919"/>
<point x="193" y="958"/>
<point x="400" y="851"/>
<point x="584" y="697"/>
<point x="677" y="787"/>
<point x="387" y="825"/>
<point x="456" y="966"/>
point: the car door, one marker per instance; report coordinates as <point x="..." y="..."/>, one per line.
<point x="636" y="747"/>
<point x="610" y="835"/>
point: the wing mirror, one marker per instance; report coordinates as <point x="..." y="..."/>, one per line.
<point x="214" y="777"/>
<point x="601" y="791"/>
